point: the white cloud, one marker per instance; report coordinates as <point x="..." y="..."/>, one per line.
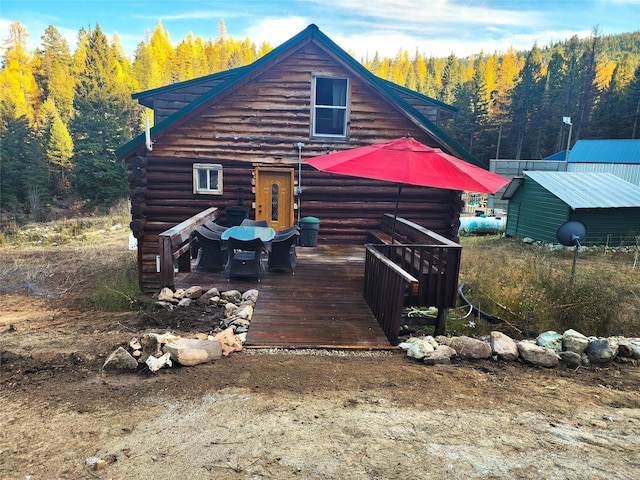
<point x="275" y="30"/>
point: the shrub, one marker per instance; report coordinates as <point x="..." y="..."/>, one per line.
<point x="119" y="291"/>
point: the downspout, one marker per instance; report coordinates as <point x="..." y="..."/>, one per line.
<point x="299" y="145"/>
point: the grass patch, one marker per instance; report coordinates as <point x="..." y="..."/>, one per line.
<point x="118" y="292"/>
<point x="529" y="287"/>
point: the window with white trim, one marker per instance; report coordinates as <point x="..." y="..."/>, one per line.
<point x="330" y="107"/>
<point x="207" y="178"/>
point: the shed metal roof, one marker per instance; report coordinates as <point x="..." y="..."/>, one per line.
<point x="588" y="190"/>
<point x="605" y="151"/>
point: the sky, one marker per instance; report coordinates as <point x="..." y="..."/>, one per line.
<point x="432" y="27"/>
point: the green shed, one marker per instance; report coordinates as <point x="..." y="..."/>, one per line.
<point x="539" y="202"/>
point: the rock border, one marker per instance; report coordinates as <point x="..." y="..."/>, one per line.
<point x="549" y="349"/>
<point x="156" y="351"/>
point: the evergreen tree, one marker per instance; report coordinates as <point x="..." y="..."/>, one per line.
<point x="58" y="150"/>
<point x="526" y="100"/>
<point x="451" y="78"/>
<point x="21" y="168"/>
<point x="103" y="121"/>
<point x="55" y="74"/>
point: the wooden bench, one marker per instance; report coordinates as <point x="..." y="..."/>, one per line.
<point x="431" y="258"/>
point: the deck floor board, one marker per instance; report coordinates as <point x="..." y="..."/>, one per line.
<point x="321" y="306"/>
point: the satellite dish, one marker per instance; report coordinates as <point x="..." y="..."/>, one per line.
<point x="569" y="234"/>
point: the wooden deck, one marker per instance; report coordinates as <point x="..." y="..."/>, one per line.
<point x="321" y="306"/>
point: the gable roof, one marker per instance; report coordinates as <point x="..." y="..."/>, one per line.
<point x="237" y="77"/>
<point x="605" y="151"/>
<point x="588" y="190"/>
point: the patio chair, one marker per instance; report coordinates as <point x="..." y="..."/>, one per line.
<point x="214" y="227"/>
<point x="212" y="254"/>
<point x="254" y="223"/>
<point x="285" y="231"/>
<point x="282" y="255"/>
<point x="245" y="258"/>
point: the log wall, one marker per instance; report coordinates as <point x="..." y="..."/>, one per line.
<point x="259" y="124"/>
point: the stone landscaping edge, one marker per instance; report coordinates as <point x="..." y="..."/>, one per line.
<point x="549" y="349"/>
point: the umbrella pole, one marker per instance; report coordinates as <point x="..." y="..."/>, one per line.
<point x="395" y="214"/>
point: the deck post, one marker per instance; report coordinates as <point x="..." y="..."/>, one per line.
<point x="441" y="322"/>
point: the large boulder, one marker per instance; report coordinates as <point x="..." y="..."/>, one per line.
<point x="191" y="351"/>
<point x="573" y="341"/>
<point x="552" y="340"/>
<point x="601" y="350"/>
<point x="537" y="355"/>
<point x="470" y="348"/>
<point x="229" y="341"/>
<point x="440" y="356"/>
<point x="120" y="360"/>
<point x="419" y="348"/>
<point x="503" y="346"/>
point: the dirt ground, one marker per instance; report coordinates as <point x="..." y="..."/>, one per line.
<point x="283" y="414"/>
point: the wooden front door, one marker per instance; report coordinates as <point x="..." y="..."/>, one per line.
<point x="274" y="196"/>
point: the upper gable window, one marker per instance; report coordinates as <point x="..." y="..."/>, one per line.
<point x="207" y="178"/>
<point x="330" y="107"/>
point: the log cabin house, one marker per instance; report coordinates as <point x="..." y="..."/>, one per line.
<point x="237" y="138"/>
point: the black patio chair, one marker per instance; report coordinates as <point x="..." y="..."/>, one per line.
<point x="245" y="258"/>
<point x="254" y="223"/>
<point x="212" y="251"/>
<point x="282" y="255"/>
<point x="214" y="227"/>
<point x="285" y="231"/>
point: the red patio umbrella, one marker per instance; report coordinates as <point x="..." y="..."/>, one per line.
<point x="407" y="161"/>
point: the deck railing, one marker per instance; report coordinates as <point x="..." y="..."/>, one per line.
<point x="385" y="286"/>
<point x="404" y="275"/>
<point x="175" y="246"/>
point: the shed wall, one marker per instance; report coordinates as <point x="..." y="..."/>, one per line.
<point x="536" y="213"/>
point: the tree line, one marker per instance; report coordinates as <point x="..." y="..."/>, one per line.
<point x="63" y="113"/>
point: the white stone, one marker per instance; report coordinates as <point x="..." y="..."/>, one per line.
<point x="503" y="346"/>
<point x="156" y="363"/>
<point x="185" y="302"/>
<point x="419" y="348"/>
<point x="250" y="295"/>
<point x="189" y="352"/>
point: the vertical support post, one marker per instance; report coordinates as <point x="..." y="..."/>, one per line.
<point x="166" y="263"/>
<point x="441" y="322"/>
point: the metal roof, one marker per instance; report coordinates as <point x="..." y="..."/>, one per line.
<point x="605" y="151"/>
<point x="588" y="190"/>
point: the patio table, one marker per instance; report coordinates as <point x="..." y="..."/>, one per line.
<point x="242" y="232"/>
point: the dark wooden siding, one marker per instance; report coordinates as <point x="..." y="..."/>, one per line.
<point x="170" y="101"/>
<point x="259" y="124"/>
